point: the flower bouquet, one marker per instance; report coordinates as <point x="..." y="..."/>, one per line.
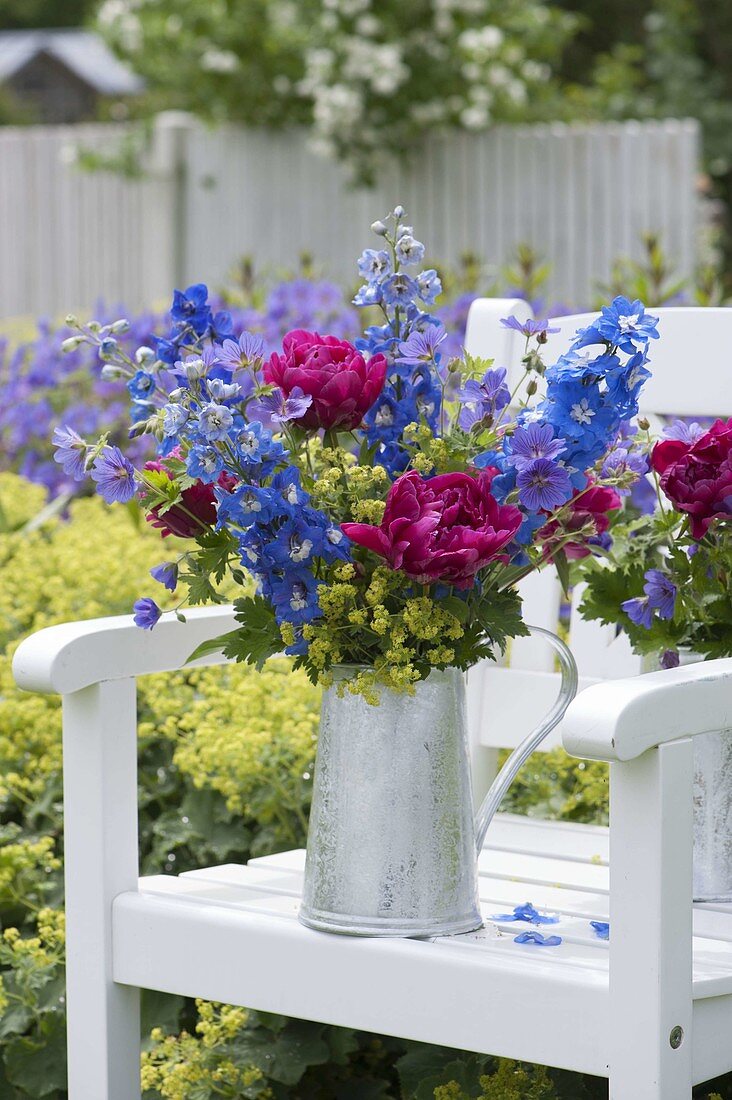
<point x="376" y="502"/>
<point x="666" y="581"/>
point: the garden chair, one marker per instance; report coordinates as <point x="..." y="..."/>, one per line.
<point x="650" y="1009"/>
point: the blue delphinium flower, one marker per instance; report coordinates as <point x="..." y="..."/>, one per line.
<point x="601" y="929"/>
<point x="142" y="385"/>
<point x="408" y="250"/>
<point x="174" y="418"/>
<point x="626" y="324"/>
<point x="295" y="597"/>
<point x="370" y="294"/>
<point x="214" y="422"/>
<point x="374" y="264"/>
<point x="257" y="449"/>
<point x="247" y="504"/>
<point x="114" y="476"/>
<point x="204" y="462"/>
<point x="581" y="366"/>
<point x="537" y="939"/>
<point x="190" y="307"/>
<point x="295" y="543"/>
<point x="70" y="452"/>
<point x="543" y="485"/>
<point x="532" y="441"/>
<point x="146" y="612"/>
<point x="223" y="391"/>
<point x="286" y="484"/>
<point x="166" y="574"/>
<point x="399" y="290"/>
<point x="429" y="286"/>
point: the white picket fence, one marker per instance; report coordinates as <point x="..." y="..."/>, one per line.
<point x="581" y="194"/>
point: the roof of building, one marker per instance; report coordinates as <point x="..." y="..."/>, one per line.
<point x="82" y="52"/>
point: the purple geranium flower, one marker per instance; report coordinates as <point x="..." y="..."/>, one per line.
<point x="114" y="475"/>
<point x="639" y="611"/>
<point x="532" y="441"/>
<point x="529" y="327"/>
<point x="146" y="612"/>
<point x="280" y="408"/>
<point x="660" y="595"/>
<point x="421" y="347"/>
<point x="166" y="574"/>
<point x="543" y="485"/>
<point x="246" y="352"/>
<point x="661" y="592"/>
<point x="687" y="433"/>
<point x="70" y="452"/>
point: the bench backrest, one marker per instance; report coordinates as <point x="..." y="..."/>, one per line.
<point x="690" y="377"/>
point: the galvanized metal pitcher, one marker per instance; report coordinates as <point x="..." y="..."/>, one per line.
<point x="393" y="843"/>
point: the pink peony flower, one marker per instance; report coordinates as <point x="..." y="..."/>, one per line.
<point x="443" y="528"/>
<point x="588" y="506"/>
<point x="342" y="384"/>
<point x="697" y="476"/>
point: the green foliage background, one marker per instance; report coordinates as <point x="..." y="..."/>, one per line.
<point x="225" y="759"/>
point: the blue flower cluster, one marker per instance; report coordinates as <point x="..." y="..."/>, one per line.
<point x="410" y="338"/>
<point x="280" y="536"/>
<point x="591" y="394"/>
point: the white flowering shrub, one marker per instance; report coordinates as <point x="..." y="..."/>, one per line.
<point x="381" y="75"/>
<point x="369" y="77"/>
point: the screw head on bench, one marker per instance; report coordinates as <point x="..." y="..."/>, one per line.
<point x="676" y="1037"/>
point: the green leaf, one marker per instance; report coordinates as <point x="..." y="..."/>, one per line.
<point x="37" y="1064"/>
<point x="420" y="1063"/>
<point x="213" y="645"/>
<point x="457" y="607"/>
<point x="259" y="636"/>
<point x="159" y="1010"/>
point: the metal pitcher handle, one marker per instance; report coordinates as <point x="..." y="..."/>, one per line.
<point x="519" y="756"/>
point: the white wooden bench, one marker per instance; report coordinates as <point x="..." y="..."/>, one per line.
<point x="651" y="1009"/>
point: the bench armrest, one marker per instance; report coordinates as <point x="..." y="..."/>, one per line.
<point x="621" y="719"/>
<point x="66" y="658"/>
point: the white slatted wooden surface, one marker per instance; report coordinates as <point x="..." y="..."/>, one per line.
<point x="581" y="195"/>
<point x="562" y="869"/>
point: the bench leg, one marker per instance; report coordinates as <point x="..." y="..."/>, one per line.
<point x="100" y="828"/>
<point x="651" y="925"/>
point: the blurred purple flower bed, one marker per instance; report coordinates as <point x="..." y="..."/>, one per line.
<point x="42" y="387"/>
